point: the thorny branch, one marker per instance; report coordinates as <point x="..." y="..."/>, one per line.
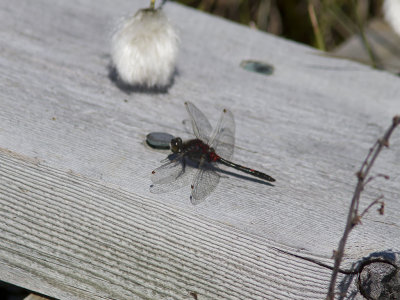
<point x="353" y="217"/>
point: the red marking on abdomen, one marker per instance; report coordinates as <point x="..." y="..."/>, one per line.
<point x="214" y="156"/>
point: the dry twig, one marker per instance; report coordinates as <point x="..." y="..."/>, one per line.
<point x="353" y="217"/>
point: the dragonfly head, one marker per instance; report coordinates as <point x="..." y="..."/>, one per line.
<point x="176" y="145"/>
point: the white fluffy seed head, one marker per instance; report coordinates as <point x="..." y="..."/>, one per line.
<point x="391" y="9"/>
<point x="144" y="49"/>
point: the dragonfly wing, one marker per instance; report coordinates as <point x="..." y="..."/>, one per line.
<point x="169" y="171"/>
<point x="223" y="140"/>
<point x="205" y="181"/>
<point x="200" y="124"/>
<point x="180" y="182"/>
<point x="171" y="176"/>
<point x="187" y="125"/>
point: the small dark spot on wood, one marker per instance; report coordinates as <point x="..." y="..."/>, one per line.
<point x="154" y="172"/>
<point x="53" y="118"/>
<point x="194" y="295"/>
<point x="257" y="67"/>
<point x="126" y="100"/>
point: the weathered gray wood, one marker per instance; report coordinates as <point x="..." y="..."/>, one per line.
<point x="77" y="219"/>
<point x="81" y="239"/>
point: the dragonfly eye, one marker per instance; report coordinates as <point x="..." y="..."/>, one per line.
<point x="176" y="145"/>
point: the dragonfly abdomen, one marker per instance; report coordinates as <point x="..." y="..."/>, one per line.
<point x="246" y="170"/>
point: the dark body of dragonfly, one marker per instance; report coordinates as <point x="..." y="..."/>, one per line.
<point x="194" y="161"/>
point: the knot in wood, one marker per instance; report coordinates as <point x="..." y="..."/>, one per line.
<point x="379" y="280"/>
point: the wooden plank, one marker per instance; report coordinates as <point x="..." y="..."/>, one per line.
<point x="88" y="240"/>
<point x="77" y="216"/>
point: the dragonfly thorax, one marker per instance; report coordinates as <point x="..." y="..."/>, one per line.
<point x="194" y="149"/>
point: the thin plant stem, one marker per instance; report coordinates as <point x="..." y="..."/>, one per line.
<point x="371" y="204"/>
<point x="316" y="28"/>
<point x="353" y="218"/>
<point x="364" y="40"/>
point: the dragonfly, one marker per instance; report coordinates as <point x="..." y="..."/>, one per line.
<point x="195" y="161"/>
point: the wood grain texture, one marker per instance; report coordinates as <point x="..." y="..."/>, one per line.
<point x="93" y="241"/>
<point x="87" y="225"/>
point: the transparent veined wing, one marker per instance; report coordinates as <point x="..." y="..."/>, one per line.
<point x="169" y="171"/>
<point x="205" y="181"/>
<point x="187" y="126"/>
<point x="172" y="175"/>
<point x="223" y="140"/>
<point x="201" y="126"/>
